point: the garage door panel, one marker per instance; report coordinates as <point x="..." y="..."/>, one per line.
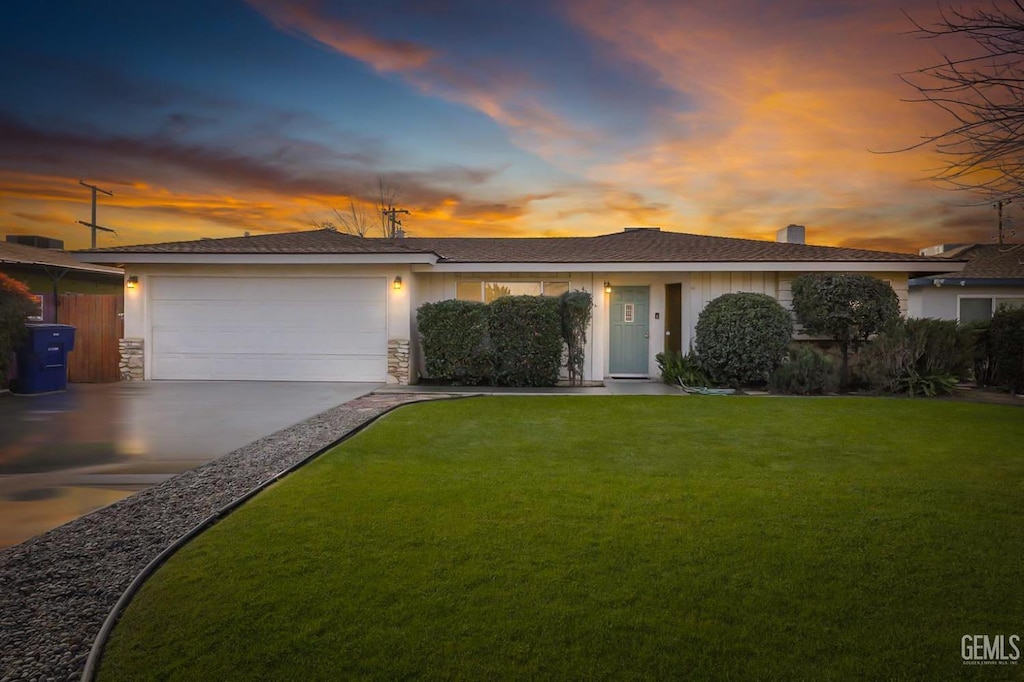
<point x="269" y="367"/>
<point x="287" y="289"/>
<point x="297" y="329"/>
<point x="278" y="342"/>
<point x="256" y="316"/>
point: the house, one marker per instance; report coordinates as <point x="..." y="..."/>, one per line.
<point x="992" y="276"/>
<point x="322" y="305"/>
<point x="49" y="271"/>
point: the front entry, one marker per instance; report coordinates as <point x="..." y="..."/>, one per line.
<point x="627" y="348"/>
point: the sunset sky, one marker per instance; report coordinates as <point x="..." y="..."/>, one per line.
<point x="533" y="118"/>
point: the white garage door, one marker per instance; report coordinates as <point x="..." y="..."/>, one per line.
<point x="267" y="328"/>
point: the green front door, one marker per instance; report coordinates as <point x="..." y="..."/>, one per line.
<point x="627" y="353"/>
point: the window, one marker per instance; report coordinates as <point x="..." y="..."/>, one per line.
<point x="489" y="291"/>
<point x="469" y="291"/>
<point x="981" y="308"/>
<point x="37" y="314"/>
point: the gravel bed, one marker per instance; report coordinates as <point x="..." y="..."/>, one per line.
<point x="57" y="588"/>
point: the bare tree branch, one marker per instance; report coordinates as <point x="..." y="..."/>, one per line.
<point x="984" y="95"/>
<point x="359" y="218"/>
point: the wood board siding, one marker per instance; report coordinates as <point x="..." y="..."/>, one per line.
<point x="99" y="324"/>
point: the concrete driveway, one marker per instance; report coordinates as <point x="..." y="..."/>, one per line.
<point x="63" y="455"/>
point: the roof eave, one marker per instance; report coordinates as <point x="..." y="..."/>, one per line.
<point x="135" y="257"/>
<point x="913" y="266"/>
<point x="967" y="282"/>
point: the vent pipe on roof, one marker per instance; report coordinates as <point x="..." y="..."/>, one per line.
<point x="792" y="234"/>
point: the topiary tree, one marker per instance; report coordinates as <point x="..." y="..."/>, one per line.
<point x="526" y="340"/>
<point x="741" y="338"/>
<point x="846" y="308"/>
<point x="1006" y="340"/>
<point x="15" y="306"/>
<point x="455" y="341"/>
<point x="575" y="309"/>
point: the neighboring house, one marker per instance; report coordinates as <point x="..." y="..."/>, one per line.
<point x="322" y="305"/>
<point x="992" y="276"/>
<point x="49" y="271"/>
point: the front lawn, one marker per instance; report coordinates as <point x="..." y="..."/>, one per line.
<point x="611" y="538"/>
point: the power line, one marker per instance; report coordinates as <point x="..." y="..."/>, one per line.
<point x="92" y="224"/>
<point x="394" y="224"/>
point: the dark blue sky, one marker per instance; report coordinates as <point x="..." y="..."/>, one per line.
<point x="535" y="118"/>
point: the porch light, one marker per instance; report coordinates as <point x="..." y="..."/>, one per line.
<point x="607" y="287"/>
<point x="133" y="281"/>
<point x="398" y="282"/>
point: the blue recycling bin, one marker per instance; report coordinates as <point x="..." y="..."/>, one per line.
<point x="43" y="358"/>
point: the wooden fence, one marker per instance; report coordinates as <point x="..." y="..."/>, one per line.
<point x="99" y="323"/>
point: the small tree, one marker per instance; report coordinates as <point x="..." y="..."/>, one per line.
<point x="847" y="308"/>
<point x="741" y="338"/>
<point x="575" y="309"/>
<point x="15" y="306"/>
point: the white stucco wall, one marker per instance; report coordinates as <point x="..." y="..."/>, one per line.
<point x="941" y="302"/>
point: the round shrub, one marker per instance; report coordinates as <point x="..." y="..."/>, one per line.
<point x="741" y="338"/>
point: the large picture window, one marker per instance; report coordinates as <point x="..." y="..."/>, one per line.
<point x="486" y="292"/>
<point x="981" y="308"/>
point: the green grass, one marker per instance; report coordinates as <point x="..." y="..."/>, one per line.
<point x="611" y="538"/>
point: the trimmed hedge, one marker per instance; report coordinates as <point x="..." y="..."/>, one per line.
<point x="1006" y="343"/>
<point x="526" y="340"/>
<point x="741" y="338"/>
<point x="455" y="341"/>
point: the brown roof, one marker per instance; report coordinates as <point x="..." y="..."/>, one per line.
<point x="20" y="254"/>
<point x="631" y="246"/>
<point x="312" y="241"/>
<point x="641" y="246"/>
<point x="988" y="261"/>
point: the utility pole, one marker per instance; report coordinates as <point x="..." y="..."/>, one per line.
<point x="93" y="224"/>
<point x="394" y="224"/>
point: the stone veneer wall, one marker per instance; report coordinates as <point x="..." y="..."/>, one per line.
<point x="398" y="361"/>
<point x="132" y="368"/>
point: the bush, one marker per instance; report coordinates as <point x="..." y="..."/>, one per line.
<point x="741" y="338"/>
<point x="983" y="365"/>
<point x="918" y="356"/>
<point x="846" y="308"/>
<point x="805" y="372"/>
<point x="15" y="306"/>
<point x="526" y="340"/>
<point x="575" y="308"/>
<point x="1006" y="340"/>
<point x="455" y="341"/>
<point x="677" y="369"/>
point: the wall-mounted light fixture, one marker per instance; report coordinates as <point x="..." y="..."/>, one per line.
<point x="398" y="282"/>
<point x="607" y="287"/>
<point x="133" y="281"/>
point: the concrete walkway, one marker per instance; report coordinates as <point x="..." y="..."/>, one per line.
<point x="610" y="387"/>
<point x="57" y="588"/>
<point x="66" y="454"/>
